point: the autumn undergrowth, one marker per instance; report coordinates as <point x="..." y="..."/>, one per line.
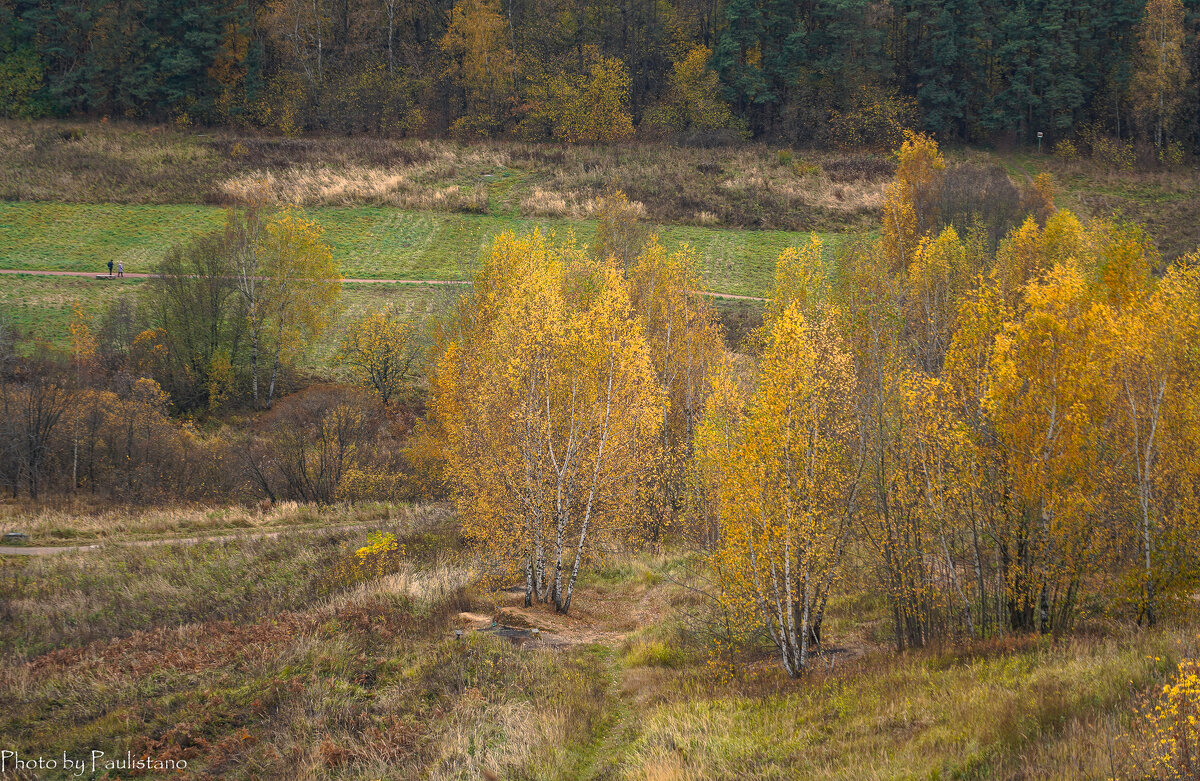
<point x="75" y="598"/>
<point x="255" y="659"/>
<point x="129" y="163"/>
<point x="748" y="185"/>
<point x="1037" y="709"/>
<point x="261" y="658"/>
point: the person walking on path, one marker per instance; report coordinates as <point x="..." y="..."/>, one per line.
<point x="110" y="268"/>
<point x="121" y="270"/>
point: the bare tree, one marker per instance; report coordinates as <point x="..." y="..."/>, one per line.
<point x="30" y="409"/>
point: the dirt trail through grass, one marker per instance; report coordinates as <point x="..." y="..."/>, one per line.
<point x="439" y="282"/>
<point x="48" y="273"/>
<point x="50" y="550"/>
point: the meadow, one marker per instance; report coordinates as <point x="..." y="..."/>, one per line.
<point x="278" y="657"/>
<point x="734" y="186"/>
<point x="76" y="194"/>
<point x="79" y="521"/>
<point x="368" y="242"/>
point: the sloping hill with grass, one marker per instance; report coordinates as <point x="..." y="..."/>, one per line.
<point x="368" y="242"/>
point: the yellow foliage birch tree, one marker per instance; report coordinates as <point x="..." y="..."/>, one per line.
<point x="1161" y="74"/>
<point x="549" y="405"/>
<point x="787" y="494"/>
<point x="910" y="206"/>
<point x="1047" y="400"/>
<point x="594" y="107"/>
<point x="684" y="340"/>
<point x="301" y="287"/>
<point x="482" y="65"/>
<point x="1156" y="384"/>
<point x="376" y="348"/>
<point x="936" y="280"/>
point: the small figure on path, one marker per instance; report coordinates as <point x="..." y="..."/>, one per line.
<point x="120" y="270"/>
<point x="110" y="268"/>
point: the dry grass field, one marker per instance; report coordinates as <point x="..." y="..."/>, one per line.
<point x="744" y="186"/>
<point x="278" y="658"/>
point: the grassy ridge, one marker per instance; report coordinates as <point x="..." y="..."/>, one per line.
<point x="368" y="242"/>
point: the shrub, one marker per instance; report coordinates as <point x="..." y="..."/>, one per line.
<point x="693" y="102"/>
<point x="312" y="444"/>
<point x="1168" y="730"/>
<point x="594" y="107"/>
<point x="1066" y="150"/>
<point x="1038" y="198"/>
<point x="380" y="545"/>
<point x="977" y="194"/>
<point x="1114" y="154"/>
<point x="858" y="168"/>
<point x="21" y="74"/>
<point x="873" y="121"/>
<point x="620" y="233"/>
<point x="1172" y="155"/>
<point x="803" y="168"/>
<point x="382" y="555"/>
<point x="365" y="485"/>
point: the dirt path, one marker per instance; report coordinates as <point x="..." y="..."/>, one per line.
<point x="50" y="550"/>
<point x="132" y="275"/>
<point x="433" y="282"/>
<point x="601" y="617"/>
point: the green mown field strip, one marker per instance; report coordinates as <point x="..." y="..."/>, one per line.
<point x="368" y="242"/>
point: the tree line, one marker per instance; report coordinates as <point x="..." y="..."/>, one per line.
<point x="990" y="436"/>
<point x="851" y="72"/>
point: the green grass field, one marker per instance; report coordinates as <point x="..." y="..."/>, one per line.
<point x="368" y="242"/>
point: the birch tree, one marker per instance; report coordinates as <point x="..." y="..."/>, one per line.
<point x="377" y="349"/>
<point x="787" y="496"/>
<point x="289" y="284"/>
<point x="303" y="287"/>
<point x="684" y="340"/>
<point x="1046" y="400"/>
<point x="1155" y="388"/>
<point x="548" y="404"/>
<point x="1161" y="71"/>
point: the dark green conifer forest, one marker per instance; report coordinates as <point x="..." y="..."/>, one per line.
<point x="813" y="72"/>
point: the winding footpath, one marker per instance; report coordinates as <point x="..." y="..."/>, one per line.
<point x="50" y="550"/>
<point x="433" y="282"/>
